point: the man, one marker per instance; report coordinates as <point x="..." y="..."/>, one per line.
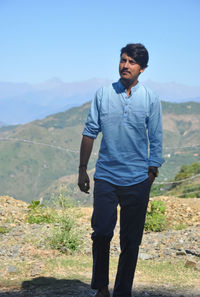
<point x="129" y="117"/>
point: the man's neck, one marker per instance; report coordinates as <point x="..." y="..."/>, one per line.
<point x="129" y="85"/>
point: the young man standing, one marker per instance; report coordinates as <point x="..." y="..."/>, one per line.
<point x="129" y="116"/>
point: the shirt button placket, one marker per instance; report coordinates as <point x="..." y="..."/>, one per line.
<point x="126" y="110"/>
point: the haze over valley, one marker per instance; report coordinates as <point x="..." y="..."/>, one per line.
<point x="21" y="103"/>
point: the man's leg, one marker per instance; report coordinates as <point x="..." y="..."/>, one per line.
<point x="133" y="201"/>
<point x="103" y="223"/>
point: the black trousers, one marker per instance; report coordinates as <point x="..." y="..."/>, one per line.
<point x="133" y="201"/>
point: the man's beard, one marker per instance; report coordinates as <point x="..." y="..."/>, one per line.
<point x="129" y="81"/>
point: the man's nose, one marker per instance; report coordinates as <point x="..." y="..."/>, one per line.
<point x="126" y="64"/>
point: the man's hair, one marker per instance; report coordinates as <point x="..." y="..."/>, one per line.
<point x="138" y="52"/>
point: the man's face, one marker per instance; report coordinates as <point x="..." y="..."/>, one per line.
<point x="129" y="70"/>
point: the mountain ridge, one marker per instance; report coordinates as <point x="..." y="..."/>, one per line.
<point x="24" y="102"/>
<point x="35" y="156"/>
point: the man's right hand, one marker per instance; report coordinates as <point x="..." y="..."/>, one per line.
<point x="83" y="180"/>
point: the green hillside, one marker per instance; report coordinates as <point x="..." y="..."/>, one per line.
<point x="185" y="184"/>
<point x="181" y="108"/>
<point x="38" y="158"/>
<point x="28" y="168"/>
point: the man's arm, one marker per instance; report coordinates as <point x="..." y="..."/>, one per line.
<point x="155" y="139"/>
<point x="91" y="130"/>
<point x="85" y="152"/>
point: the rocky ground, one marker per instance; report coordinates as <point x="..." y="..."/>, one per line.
<point x="23" y="242"/>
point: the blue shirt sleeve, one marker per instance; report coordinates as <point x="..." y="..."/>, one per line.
<point x="155" y="134"/>
<point x="92" y="125"/>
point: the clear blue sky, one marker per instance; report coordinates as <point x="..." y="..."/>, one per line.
<point x="81" y="39"/>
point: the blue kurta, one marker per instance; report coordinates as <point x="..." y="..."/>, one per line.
<point x="132" y="133"/>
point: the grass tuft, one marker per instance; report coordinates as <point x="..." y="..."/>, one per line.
<point x="64" y="236"/>
<point x="155" y="218"/>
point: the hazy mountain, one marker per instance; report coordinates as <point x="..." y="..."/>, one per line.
<point x="23" y="102"/>
<point x="175" y="92"/>
<point x="41" y="157"/>
<point x="2" y="124"/>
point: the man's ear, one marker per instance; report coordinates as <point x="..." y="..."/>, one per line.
<point x="142" y="70"/>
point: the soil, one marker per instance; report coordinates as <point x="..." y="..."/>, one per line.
<point x="170" y="244"/>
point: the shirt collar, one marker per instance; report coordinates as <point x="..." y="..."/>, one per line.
<point x="123" y="88"/>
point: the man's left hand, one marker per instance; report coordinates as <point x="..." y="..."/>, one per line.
<point x="151" y="177"/>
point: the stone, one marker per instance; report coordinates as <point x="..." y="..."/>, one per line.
<point x="198" y="266"/>
<point x="12" y="269"/>
<point x="190" y="263"/>
<point x="145" y="256"/>
<point x="181" y="253"/>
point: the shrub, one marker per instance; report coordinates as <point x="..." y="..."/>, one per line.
<point x="187" y="171"/>
<point x="158" y="207"/>
<point x="39" y="214"/>
<point x="38" y="218"/>
<point x="35" y="204"/>
<point x="62" y="201"/>
<point x="64" y="236"/>
<point x="155" y="218"/>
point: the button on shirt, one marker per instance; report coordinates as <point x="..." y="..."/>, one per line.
<point x="132" y="133"/>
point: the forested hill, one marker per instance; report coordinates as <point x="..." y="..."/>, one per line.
<point x="181" y="108"/>
<point x="35" y="156"/>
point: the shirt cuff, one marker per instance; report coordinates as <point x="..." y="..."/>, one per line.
<point x="89" y="135"/>
<point x="156" y="163"/>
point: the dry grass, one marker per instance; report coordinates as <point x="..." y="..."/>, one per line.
<point x="160" y="274"/>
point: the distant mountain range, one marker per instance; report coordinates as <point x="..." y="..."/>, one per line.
<point x="174" y="92"/>
<point x="24" y="102"/>
<point x="2" y="124"/>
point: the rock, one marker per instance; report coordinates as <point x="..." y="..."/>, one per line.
<point x="145" y="256"/>
<point x="12" y="269"/>
<point x="190" y="263"/>
<point x="193" y="264"/>
<point x="193" y="252"/>
<point x="198" y="266"/>
<point x="181" y="253"/>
